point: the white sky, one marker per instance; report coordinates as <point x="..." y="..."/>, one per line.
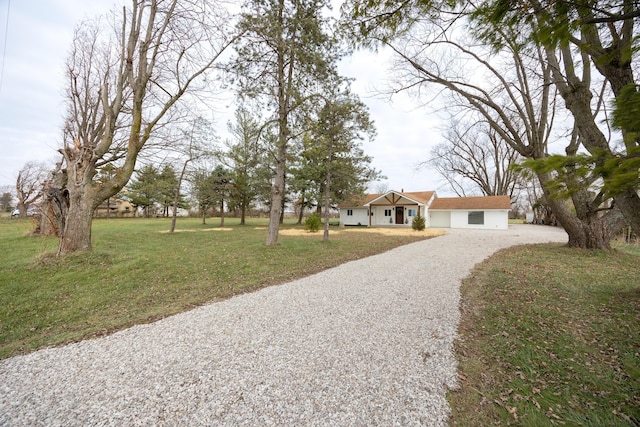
<point x="38" y="35"/>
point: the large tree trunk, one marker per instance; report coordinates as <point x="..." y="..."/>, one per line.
<point x="54" y="205"/>
<point x="277" y="194"/>
<point x="49" y="222"/>
<point x="243" y="211"/>
<point x="629" y="203"/>
<point x="76" y="234"/>
<point x="589" y="233"/>
<point x="301" y="212"/>
<point x="327" y="192"/>
<point x="577" y="96"/>
<point x="277" y="189"/>
<point x="585" y="229"/>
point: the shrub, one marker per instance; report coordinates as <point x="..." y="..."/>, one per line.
<point x="418" y="223"/>
<point x="313" y="222"/>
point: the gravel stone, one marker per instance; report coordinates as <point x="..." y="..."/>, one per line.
<point x="367" y="343"/>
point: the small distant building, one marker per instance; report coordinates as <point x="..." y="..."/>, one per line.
<point x="115" y="207"/>
<point x="399" y="208"/>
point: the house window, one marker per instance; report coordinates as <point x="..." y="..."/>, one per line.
<point x="349" y="212"/>
<point x="476" y="217"/>
<point x="412" y="212"/>
<point x="387" y="212"/>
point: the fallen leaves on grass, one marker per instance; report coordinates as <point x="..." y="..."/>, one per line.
<point x="197" y="230"/>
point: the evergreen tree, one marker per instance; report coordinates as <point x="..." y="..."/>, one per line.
<point x="246" y="160"/>
<point x="143" y="190"/>
<point x="286" y="55"/>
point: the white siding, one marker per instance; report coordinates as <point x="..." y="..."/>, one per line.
<point x="493" y="220"/>
<point x="378" y="217"/>
<point x="360" y="216"/>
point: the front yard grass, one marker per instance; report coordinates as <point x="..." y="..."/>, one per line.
<point x="550" y="336"/>
<point x="137" y="273"/>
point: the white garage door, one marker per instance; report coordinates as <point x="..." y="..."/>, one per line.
<point x="440" y="219"/>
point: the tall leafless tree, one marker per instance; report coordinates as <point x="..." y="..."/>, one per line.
<point x="123" y="82"/>
<point x="580" y="37"/>
<point x="6" y="198"/>
<point x="475" y="159"/>
<point x="193" y="147"/>
<point x="509" y="82"/>
<point x="29" y="185"/>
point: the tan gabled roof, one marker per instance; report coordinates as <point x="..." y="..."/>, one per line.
<point x="359" y="201"/>
<point x="442" y="203"/>
<point x="481" y="202"/>
<point x="420" y="196"/>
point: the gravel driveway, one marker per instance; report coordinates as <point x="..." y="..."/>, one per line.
<point x="367" y="343"/>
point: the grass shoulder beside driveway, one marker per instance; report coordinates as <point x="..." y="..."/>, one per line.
<point x="550" y="336"/>
<point x="138" y="273"/>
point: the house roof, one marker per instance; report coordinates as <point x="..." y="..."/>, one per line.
<point x="359" y="201"/>
<point x="439" y="203"/>
<point x="421" y="197"/>
<point x="480" y="202"/>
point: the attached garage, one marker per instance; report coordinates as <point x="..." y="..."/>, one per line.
<point x="489" y="212"/>
<point x="439" y="219"/>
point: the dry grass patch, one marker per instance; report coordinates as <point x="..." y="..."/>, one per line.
<point x="198" y="230"/>
<point x="427" y="233"/>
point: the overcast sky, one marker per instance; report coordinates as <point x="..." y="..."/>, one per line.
<point x="34" y="42"/>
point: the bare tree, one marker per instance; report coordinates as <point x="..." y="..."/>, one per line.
<point x="29" y="185"/>
<point x="508" y="81"/>
<point x="193" y="148"/>
<point x="382" y="187"/>
<point x="475" y="159"/>
<point x="579" y="38"/>
<point x="122" y="82"/>
<point x="6" y="199"/>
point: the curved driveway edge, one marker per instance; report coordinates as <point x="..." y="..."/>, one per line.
<point x="367" y="343"/>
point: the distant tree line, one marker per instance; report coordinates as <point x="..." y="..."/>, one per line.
<point x="543" y="97"/>
<point x="139" y="82"/>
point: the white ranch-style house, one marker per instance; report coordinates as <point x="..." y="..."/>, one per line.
<point x="399" y="208"/>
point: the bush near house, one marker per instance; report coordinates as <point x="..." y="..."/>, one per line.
<point x="313" y="222"/>
<point x="418" y="223"/>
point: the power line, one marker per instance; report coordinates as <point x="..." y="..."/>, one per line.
<point x="4" y="49"/>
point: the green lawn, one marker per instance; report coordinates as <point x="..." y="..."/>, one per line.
<point x="550" y="336"/>
<point x="138" y="273"/>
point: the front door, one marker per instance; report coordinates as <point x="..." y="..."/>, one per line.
<point x="399" y="215"/>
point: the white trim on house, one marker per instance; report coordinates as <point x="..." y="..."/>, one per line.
<point x="398" y="209"/>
